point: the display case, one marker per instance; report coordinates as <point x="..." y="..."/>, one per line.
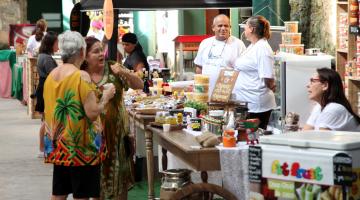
<point x="186" y="47"/>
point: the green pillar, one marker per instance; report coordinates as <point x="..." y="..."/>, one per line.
<point x="145" y="29"/>
<point x="272" y="10"/>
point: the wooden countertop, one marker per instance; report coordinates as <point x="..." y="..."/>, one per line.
<point x="179" y="143"/>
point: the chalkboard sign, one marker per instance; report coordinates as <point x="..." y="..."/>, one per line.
<point x="343" y="174"/>
<point x="255" y="158"/>
<point x="224" y="85"/>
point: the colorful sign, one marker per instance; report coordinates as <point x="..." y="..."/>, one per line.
<point x="295" y="170"/>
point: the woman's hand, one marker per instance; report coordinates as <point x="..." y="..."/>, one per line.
<point x="117" y="69"/>
<point x="270" y="83"/>
<point x="108" y="92"/>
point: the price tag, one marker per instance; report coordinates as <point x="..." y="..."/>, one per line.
<point x="354" y="30"/>
<point x="343" y="174"/>
<point x="255" y="163"/>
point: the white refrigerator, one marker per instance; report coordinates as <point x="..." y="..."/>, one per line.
<point x="312" y="164"/>
<point x="293" y="73"/>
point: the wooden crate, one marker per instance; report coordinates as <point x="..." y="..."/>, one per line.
<point x="33" y="81"/>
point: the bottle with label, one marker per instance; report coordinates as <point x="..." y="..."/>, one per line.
<point x="146" y="82"/>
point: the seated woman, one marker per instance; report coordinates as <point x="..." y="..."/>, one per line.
<point x="332" y="111"/>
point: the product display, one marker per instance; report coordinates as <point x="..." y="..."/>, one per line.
<point x="291" y="39"/>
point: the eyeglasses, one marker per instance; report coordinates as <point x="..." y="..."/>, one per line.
<point x="313" y="80"/>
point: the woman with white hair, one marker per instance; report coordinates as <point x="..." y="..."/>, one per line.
<point x="73" y="140"/>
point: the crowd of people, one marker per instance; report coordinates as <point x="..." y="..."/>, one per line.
<point x="85" y="132"/>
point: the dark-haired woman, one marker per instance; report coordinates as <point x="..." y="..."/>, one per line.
<point x="35" y="40"/>
<point x="332" y="111"/>
<point x="255" y="83"/>
<point x="136" y="59"/>
<point x="45" y="64"/>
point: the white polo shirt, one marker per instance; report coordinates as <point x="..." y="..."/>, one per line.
<point x="255" y="64"/>
<point x="214" y="54"/>
<point x="334" y="117"/>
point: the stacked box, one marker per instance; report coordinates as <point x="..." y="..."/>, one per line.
<point x="291" y="39"/>
<point x="201" y="88"/>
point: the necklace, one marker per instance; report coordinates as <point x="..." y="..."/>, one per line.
<point x="210" y="55"/>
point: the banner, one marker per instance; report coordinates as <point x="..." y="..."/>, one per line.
<point x="20" y="33"/>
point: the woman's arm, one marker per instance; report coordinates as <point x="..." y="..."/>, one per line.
<point x="270" y="83"/>
<point x="133" y="80"/>
<point x="307" y="127"/>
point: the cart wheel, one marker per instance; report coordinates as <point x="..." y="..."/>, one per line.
<point x="202" y="191"/>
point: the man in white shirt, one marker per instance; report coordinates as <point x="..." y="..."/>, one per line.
<point x="218" y="51"/>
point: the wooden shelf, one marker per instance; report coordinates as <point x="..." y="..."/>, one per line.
<point x="342" y="50"/>
<point x="353" y="78"/>
<point x="342" y="2"/>
<point x="344" y="55"/>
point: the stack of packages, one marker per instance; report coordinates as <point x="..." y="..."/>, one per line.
<point x="291" y="39"/>
<point x="354" y="21"/>
<point x="343" y="31"/>
<point x="157" y="89"/>
<point x="201" y="88"/>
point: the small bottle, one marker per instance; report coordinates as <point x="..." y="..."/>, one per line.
<point x="180" y="118"/>
<point x="146" y="82"/>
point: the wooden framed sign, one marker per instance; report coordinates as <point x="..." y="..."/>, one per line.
<point x="224" y="85"/>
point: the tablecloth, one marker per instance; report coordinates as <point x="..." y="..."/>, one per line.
<point x="234" y="170"/>
<point x="7" y="79"/>
<point x="18" y="91"/>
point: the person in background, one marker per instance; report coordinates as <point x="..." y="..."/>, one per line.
<point x="332" y="110"/>
<point x="116" y="176"/>
<point x="255" y="83"/>
<point x="35" y="40"/>
<point x="45" y="64"/>
<point x="218" y="51"/>
<point x="73" y="135"/>
<point x="97" y="30"/>
<point x="136" y="59"/>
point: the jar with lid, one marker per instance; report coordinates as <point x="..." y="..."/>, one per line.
<point x="161" y="116"/>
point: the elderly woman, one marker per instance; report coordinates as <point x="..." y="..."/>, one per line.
<point x="73" y="140"/>
<point x="255" y="83"/>
<point x="45" y="64"/>
<point x="332" y="111"/>
<point x="115" y="170"/>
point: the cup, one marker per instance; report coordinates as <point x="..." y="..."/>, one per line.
<point x="107" y="86"/>
<point x="166" y="128"/>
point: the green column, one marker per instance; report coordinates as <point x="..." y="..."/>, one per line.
<point x="272" y="10"/>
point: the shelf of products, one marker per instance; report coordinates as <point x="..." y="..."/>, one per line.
<point x="126" y="22"/>
<point x="347" y="52"/>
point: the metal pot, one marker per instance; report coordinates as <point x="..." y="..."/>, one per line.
<point x="174" y="179"/>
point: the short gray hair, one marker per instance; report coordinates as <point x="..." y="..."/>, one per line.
<point x="70" y="44"/>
